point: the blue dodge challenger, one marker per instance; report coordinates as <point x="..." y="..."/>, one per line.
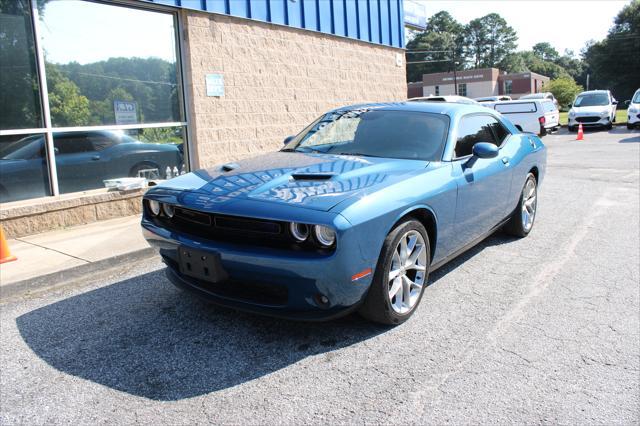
<point x="351" y="214"/>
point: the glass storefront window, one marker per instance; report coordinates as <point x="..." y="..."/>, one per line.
<point x="23" y="168"/>
<point x="19" y="95"/>
<point x="108" y="64"/>
<point x="85" y="159"/>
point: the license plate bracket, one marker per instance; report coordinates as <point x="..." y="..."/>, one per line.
<point x="200" y="264"/>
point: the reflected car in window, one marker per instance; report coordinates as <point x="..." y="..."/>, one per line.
<point x="353" y="213"/>
<point x="83" y="161"/>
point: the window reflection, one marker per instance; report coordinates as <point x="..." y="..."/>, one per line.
<point x="84" y="160"/>
<point x="121" y="69"/>
<point x="19" y="97"/>
<point x="23" y="168"/>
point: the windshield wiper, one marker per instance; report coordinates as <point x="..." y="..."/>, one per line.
<point x="355" y="154"/>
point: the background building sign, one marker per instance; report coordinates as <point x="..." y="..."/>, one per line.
<point x="215" y="84"/>
<point x="126" y="112"/>
<point x="415" y="15"/>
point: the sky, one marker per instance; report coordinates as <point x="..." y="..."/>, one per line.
<point x="115" y="32"/>
<point x="566" y="24"/>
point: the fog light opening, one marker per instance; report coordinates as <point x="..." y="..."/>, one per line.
<point x="322" y="300"/>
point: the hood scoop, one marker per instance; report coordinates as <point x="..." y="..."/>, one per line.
<point x="229" y="167"/>
<point x="312" y="176"/>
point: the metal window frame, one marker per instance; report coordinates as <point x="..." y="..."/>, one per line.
<point x="49" y="129"/>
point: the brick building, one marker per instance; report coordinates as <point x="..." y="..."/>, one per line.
<point x="479" y="83"/>
<point x="199" y="82"/>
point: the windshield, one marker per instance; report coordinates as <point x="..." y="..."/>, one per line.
<point x="636" y="98"/>
<point x="599" y="99"/>
<point x="373" y="133"/>
<point x="23" y="149"/>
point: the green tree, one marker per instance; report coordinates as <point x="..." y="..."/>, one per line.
<point x="443" y="37"/>
<point x="564" y="89"/>
<point x="614" y="63"/>
<point x="489" y="40"/>
<point x="68" y="106"/>
<point x="545" y="51"/>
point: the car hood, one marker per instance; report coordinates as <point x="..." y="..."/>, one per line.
<point x="592" y="110"/>
<point x="314" y="181"/>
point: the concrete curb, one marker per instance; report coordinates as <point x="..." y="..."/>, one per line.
<point x="44" y="282"/>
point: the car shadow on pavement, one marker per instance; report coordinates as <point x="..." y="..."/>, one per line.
<point x="496" y="239"/>
<point x="632" y="139"/>
<point x="145" y="337"/>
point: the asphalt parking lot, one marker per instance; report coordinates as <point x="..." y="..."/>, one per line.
<point x="540" y="330"/>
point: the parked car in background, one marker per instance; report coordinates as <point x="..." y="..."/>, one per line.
<point x="595" y="108"/>
<point x="538" y="116"/>
<point x="353" y="213"/>
<point x="633" y="111"/>
<point x="542" y="95"/>
<point x="493" y="99"/>
<point x="83" y="161"/>
<point x="448" y="98"/>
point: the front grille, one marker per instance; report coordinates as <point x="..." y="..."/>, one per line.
<point x="236" y="230"/>
<point x="587" y="119"/>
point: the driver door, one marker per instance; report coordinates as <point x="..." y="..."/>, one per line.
<point x="483" y="184"/>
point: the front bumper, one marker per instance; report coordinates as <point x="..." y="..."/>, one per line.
<point x="270" y="281"/>
<point x="633" y="118"/>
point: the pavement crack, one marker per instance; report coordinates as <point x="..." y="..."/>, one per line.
<point x="52" y="249"/>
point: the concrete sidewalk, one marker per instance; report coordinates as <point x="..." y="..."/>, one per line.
<point x="50" y="258"/>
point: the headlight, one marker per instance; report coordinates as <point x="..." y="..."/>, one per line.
<point x="299" y="231"/>
<point x="168" y="210"/>
<point x="325" y="235"/>
<point x="604" y="114"/>
<point x="633" y="109"/>
<point x="154" y="206"/>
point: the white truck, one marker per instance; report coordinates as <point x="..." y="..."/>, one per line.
<point x="539" y="116"/>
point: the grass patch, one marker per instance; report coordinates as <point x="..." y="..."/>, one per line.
<point x="621" y="117"/>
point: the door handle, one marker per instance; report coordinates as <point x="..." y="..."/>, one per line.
<point x="505" y="161"/>
<point x="95" y="158"/>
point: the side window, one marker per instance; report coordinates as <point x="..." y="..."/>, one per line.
<point x="473" y="129"/>
<point x="100" y="142"/>
<point x="499" y="131"/>
<point x="72" y="144"/>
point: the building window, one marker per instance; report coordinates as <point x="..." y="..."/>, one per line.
<point x="462" y="89"/>
<point x="508" y="87"/>
<point x="437" y="90"/>
<point x="117" y="86"/>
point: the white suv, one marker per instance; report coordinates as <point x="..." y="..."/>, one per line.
<point x="633" y="113"/>
<point x="595" y="108"/>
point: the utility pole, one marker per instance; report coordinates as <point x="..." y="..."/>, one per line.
<point x="587" y="81"/>
<point x="455" y="76"/>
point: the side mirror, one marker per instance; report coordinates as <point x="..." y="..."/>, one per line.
<point x="627" y="102"/>
<point x="519" y="127"/>
<point x="485" y="150"/>
<point x="288" y="139"/>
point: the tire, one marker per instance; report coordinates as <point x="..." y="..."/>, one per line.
<point x="409" y="282"/>
<point x="629" y="126"/>
<point x="142" y="166"/>
<point x="520" y="225"/>
<point x="609" y="126"/>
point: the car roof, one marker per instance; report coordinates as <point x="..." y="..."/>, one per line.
<point x="589" y="92"/>
<point x="449" y="108"/>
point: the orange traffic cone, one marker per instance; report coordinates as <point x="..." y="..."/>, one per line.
<point x="580" y="133"/>
<point x="5" y="254"/>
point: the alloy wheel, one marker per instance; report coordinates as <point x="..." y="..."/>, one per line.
<point x="529" y="204"/>
<point x="407" y="272"/>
